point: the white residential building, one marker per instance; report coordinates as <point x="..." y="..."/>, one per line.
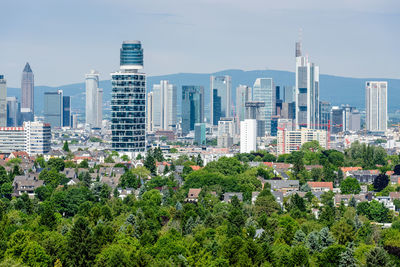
<point x="289" y="141"/>
<point x="248" y="136"/>
<point x="376" y="105"/>
<point x="149" y="112"/>
<point x="3" y="101"/>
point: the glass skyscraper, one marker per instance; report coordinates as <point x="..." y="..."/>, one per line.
<point x="3" y="101"/>
<point x="265" y="91"/>
<point x="192" y="107"/>
<point x="221" y="97"/>
<point x="94" y="99"/>
<point x="53" y="108"/>
<point x="128" y="104"/>
<point x="243" y="95"/>
<point x="66" y="111"/>
<point x="164" y="106"/>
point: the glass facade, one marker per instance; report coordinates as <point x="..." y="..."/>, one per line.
<point x="53" y="108"/>
<point x="66" y="111"/>
<point x="221" y="91"/>
<point x="27" y="89"/>
<point x="265" y="91"/>
<point x="192" y="107"/>
<point x="128" y="112"/>
<point x="131" y="53"/>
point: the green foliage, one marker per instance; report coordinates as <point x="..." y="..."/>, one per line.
<point x="350" y="186"/>
<point x="380" y="182"/>
<point x="374" y="211"/>
<point x="66" y="146"/>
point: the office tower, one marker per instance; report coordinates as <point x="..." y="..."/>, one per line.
<point x="248" y="136"/>
<point x="221" y="97"/>
<point x="53" y="108"/>
<point x="12" y="139"/>
<point x="192" y="107"/>
<point x="243" y="95"/>
<point x="164" y="106"/>
<point x="253" y="111"/>
<point x="285" y="124"/>
<point x="289" y="93"/>
<point x="355" y="121"/>
<point x="128" y="104"/>
<point x="66" y="111"/>
<point x="325" y="115"/>
<point x="27" y="91"/>
<point x="200" y="133"/>
<point x="25" y="115"/>
<point x="13" y="112"/>
<point x="149" y="113"/>
<point x="94" y="100"/>
<point x="274" y="125"/>
<point x="307" y="92"/>
<point x="376" y="105"/>
<point x="226" y="132"/>
<point x="289" y="141"/>
<point x="3" y="101"/>
<point x="277" y="92"/>
<point x="337" y="120"/>
<point x="74" y="121"/>
<point x="288" y="110"/>
<point x="264" y="90"/>
<point x="38" y="137"/>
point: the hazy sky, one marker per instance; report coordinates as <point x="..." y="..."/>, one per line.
<point x="63" y="40"/>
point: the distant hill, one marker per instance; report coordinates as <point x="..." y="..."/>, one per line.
<point x="334" y="89"/>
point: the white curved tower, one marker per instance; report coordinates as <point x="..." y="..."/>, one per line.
<point x="94" y="96"/>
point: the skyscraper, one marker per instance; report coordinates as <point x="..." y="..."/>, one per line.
<point x="376" y="105"/>
<point x="53" y="108"/>
<point x="27" y="90"/>
<point x="325" y="115"/>
<point x="243" y="95"/>
<point x="66" y="111"/>
<point x="94" y="99"/>
<point x="164" y="106"/>
<point x="307" y="92"/>
<point x="265" y="91"/>
<point x="192" y="107"/>
<point x="149" y="112"/>
<point x="248" y="136"/>
<point x="3" y="101"/>
<point x="13" y="112"/>
<point x="128" y="104"/>
<point x="221" y="97"/>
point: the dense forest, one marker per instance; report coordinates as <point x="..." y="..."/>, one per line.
<point x="88" y="224"/>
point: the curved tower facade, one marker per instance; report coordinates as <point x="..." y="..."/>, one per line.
<point x="94" y="96"/>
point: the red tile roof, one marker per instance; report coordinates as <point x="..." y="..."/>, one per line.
<point x="321" y="184"/>
<point x="195" y="168"/>
<point x="347" y="169"/>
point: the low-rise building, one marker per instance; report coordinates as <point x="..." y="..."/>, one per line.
<point x="320" y="186"/>
<point x="229" y="195"/>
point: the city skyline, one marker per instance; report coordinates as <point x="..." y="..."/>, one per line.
<point x="325" y="26"/>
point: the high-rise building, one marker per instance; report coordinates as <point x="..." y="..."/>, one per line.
<point x="325" y="115"/>
<point x="337" y="120"/>
<point x="37" y="137"/>
<point x="66" y="111"/>
<point x="289" y="141"/>
<point x="53" y="108"/>
<point x="164" y="106"/>
<point x="13" y="112"/>
<point x="128" y="104"/>
<point x="253" y="112"/>
<point x="3" y="101"/>
<point x="376" y="105"/>
<point x="200" y="133"/>
<point x="149" y="113"/>
<point x="226" y="132"/>
<point x="192" y="107"/>
<point x="221" y="97"/>
<point x="33" y="137"/>
<point x="307" y="92"/>
<point x="243" y="95"/>
<point x="74" y="121"/>
<point x="27" y="91"/>
<point x="248" y="136"/>
<point x="355" y="121"/>
<point x="94" y="100"/>
<point x="265" y="91"/>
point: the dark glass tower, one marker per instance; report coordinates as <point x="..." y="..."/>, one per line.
<point x="66" y="111"/>
<point x="192" y="107"/>
<point x="216" y="105"/>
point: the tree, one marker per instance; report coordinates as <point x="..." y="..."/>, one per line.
<point x="6" y="190"/>
<point x="380" y="182"/>
<point x="347" y="257"/>
<point x="56" y="163"/>
<point x="65" y="146"/>
<point x="84" y="164"/>
<point x="330" y="256"/>
<point x="377" y="257"/>
<point x="325" y="238"/>
<point x="114" y="255"/>
<point x="199" y="161"/>
<point x="47" y="217"/>
<point x="125" y="157"/>
<point x="350" y="186"/>
<point x="79" y="244"/>
<point x="34" y="255"/>
<point x="343" y="232"/>
<point x="150" y="162"/>
<point x="397" y="169"/>
<point x="312" y="242"/>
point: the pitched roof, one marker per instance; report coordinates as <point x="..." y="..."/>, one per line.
<point x="194" y="192"/>
<point x="321" y="184"/>
<point x="347" y="169"/>
<point x="195" y="168"/>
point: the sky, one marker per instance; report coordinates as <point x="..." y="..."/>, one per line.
<point x="63" y="40"/>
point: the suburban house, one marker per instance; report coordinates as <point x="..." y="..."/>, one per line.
<point x="193" y="195"/>
<point x="26" y="184"/>
<point x="320" y="186"/>
<point x="229" y="195"/>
